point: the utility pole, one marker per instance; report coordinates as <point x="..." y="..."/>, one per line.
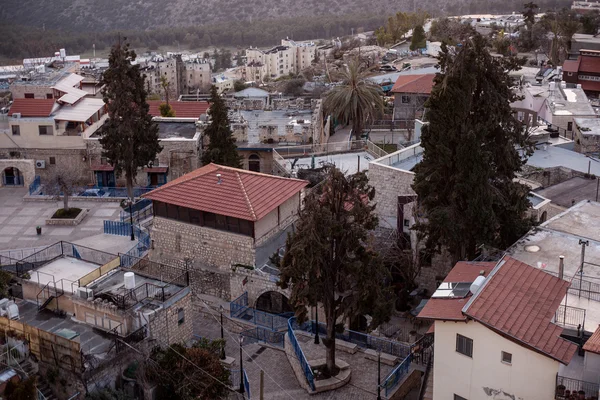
<point x="262" y="385"/>
<point x="222" y="336"/>
<point x="317" y="324"/>
<point x="241" y="368"/>
<point x="378" y="374"/>
<point x="583" y="244"/>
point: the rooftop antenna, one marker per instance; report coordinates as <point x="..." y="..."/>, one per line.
<point x="219" y="179"/>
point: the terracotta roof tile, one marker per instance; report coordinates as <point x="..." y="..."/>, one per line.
<point x="32" y="107"/>
<point x="183" y="109"/>
<point x="589" y="64"/>
<point x="590" y="86"/>
<point x="241" y="194"/>
<point x="519" y="302"/>
<point x="451" y="309"/>
<point x="571" y="65"/>
<point x="593" y="343"/>
<point x="421" y="83"/>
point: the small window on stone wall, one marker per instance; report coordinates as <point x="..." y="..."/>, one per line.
<point x="52" y="160"/>
<point x="180" y="316"/>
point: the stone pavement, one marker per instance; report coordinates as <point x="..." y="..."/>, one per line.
<point x="18" y="220"/>
<point x="279" y="379"/>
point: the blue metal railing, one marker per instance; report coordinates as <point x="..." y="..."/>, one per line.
<point x="363" y="340"/>
<point x="234" y="377"/>
<point x="237" y="306"/>
<point x="308" y="373"/>
<point x="137" y="215"/>
<point x="396" y="376"/>
<point x="239" y="309"/>
<point x="35" y="185"/>
<point x="264" y="335"/>
<point x="124" y="229"/>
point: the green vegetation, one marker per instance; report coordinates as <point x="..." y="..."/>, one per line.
<point x="221" y="148"/>
<point x="419" y="40"/>
<point x="465" y="182"/>
<point x="23" y="390"/>
<point x="398" y="26"/>
<point x="62" y="213"/>
<point x="129" y="137"/>
<point x="329" y="260"/>
<point x="166" y="110"/>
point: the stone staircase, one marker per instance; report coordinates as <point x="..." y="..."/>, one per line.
<point x="42" y="385"/>
<point x="429" y="387"/>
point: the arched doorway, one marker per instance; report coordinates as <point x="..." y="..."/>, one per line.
<point x="274" y="303"/>
<point x="254" y="163"/>
<point x="544" y="217"/>
<point x="11" y="176"/>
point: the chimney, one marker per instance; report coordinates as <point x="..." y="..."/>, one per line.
<point x="561" y="267"/>
<point x="218" y="179"/>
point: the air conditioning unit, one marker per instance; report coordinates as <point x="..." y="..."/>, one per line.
<point x="40" y="164"/>
<point x="85" y="293"/>
<point x="16" y="115"/>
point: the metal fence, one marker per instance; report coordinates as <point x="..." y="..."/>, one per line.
<point x="570" y="317"/>
<point x="237" y="306"/>
<point x="239" y="309"/>
<point x="99" y="192"/>
<point x="300" y="354"/>
<point x="19" y="254"/>
<point x="234" y="377"/>
<point x="137" y="215"/>
<point x="363" y="340"/>
<point x="263" y="335"/>
<point x="586" y="289"/>
<point x="396" y="376"/>
<point x="574" y="386"/>
<point x="35" y="185"/>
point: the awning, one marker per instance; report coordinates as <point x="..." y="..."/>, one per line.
<point x="102" y="167"/>
<point x="156" y="170"/>
<point x="79" y="112"/>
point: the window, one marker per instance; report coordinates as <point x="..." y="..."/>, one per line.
<point x="29" y="96"/>
<point x="569" y="126"/>
<point x="49" y="95"/>
<point x="172" y="211"/>
<point x="405" y="99"/>
<point x="45" y="129"/>
<point x="52" y="160"/>
<point x="16" y="130"/>
<point x="464" y="345"/>
<point x="103" y="161"/>
<point x="457" y="397"/>
<point x="180" y="316"/>
<point x="210" y="220"/>
<point x="406" y="223"/>
<point x="506" y="357"/>
<point x="570" y="74"/>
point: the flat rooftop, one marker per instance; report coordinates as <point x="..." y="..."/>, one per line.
<point x="571" y="191"/>
<point x="91" y="340"/>
<point x="176" y="130"/>
<point x="278" y="118"/>
<point x="346" y="162"/>
<point x="67" y="268"/>
<point x="555" y="156"/>
<point x="588" y="126"/>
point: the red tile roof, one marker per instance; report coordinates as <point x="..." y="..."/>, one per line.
<point x="571" y="65"/>
<point x="589" y="64"/>
<point x="183" y="109"/>
<point x="518" y="301"/>
<point x="590" y="86"/>
<point x="451" y="309"/>
<point x="241" y="194"/>
<point x="420" y="84"/>
<point x="32" y="107"/>
<point x="593" y="343"/>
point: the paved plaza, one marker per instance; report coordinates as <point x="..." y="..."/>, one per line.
<point x="19" y="218"/>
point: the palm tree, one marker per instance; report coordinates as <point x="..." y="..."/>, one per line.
<point x="355" y="100"/>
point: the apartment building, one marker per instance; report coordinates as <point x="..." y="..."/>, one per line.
<point x="289" y="57"/>
<point x="183" y="76"/>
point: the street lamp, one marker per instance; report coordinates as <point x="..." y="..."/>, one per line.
<point x="241" y="367"/>
<point x="222" y="336"/>
<point x="378" y="374"/>
<point x="317" y="324"/>
<point x="130" y="203"/>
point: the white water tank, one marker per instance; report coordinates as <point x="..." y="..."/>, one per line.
<point x="477" y="284"/>
<point x="13" y="311"/>
<point x="129" y="280"/>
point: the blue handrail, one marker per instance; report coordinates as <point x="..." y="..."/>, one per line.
<point x="395" y="377"/>
<point x="308" y="373"/>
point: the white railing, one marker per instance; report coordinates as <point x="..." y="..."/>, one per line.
<point x="400" y="155"/>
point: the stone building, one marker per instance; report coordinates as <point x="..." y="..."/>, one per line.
<point x="224" y="222"/>
<point x="410" y="94"/>
<point x="183" y="76"/>
<point x="288" y="58"/>
<point x="587" y="135"/>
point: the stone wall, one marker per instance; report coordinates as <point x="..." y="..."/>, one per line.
<point x="40" y="92"/>
<point x="215" y="248"/>
<point x="389" y="183"/>
<point x="211" y="282"/>
<point x="63" y="158"/>
<point x="265" y="155"/>
<point x="253" y="282"/>
<point x="26" y="167"/>
<point x="549" y="176"/>
<point x="167" y="328"/>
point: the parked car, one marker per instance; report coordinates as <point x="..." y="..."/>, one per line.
<point x="387" y="68"/>
<point x="94" y="193"/>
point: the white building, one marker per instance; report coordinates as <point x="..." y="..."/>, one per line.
<point x="289" y="57"/>
<point x="495" y="334"/>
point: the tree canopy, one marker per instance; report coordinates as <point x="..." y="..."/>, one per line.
<point x="221" y="148"/>
<point x="129" y="136"/>
<point x="419" y="40"/>
<point x="328" y="260"/>
<point x="465" y="182"/>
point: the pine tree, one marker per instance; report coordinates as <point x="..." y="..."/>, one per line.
<point x="129" y="137"/>
<point x="221" y="148"/>
<point x="465" y="182"/>
<point x="328" y="260"/>
<point x="419" y="41"/>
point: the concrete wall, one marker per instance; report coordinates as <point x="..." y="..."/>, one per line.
<point x="389" y="183"/>
<point x="484" y="377"/>
<point x="266" y="159"/>
<point x="102" y="314"/>
<point x="175" y="240"/>
<point x="40" y="92"/>
<point x="591" y="369"/>
<point x="166" y="327"/>
<point x="268" y="228"/>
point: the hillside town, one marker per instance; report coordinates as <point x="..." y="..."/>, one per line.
<point x="405" y="213"/>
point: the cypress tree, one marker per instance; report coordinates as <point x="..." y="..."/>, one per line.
<point x="221" y="148"/>
<point x="419" y="40"/>
<point x="129" y="137"/>
<point x="465" y="182"/>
